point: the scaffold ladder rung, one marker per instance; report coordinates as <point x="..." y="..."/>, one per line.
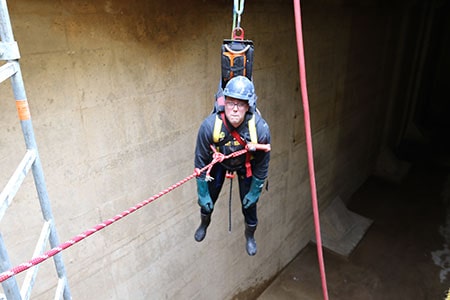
<point x="60" y="288"/>
<point x="7" y="70"/>
<point x="30" y="277"/>
<point x="16" y="180"/>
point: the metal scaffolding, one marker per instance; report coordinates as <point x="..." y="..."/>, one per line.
<point x="9" y="53"/>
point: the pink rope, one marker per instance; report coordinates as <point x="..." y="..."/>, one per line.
<point x="302" y="69"/>
<point x="218" y="157"/>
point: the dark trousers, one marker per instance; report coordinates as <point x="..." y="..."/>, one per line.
<point x="215" y="186"/>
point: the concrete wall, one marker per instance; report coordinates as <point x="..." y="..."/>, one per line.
<point x="117" y="90"/>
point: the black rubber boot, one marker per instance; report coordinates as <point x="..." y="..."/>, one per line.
<point x="200" y="233"/>
<point x="249" y="236"/>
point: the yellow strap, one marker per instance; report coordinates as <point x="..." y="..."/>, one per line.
<point x="217" y="129"/>
<point x="252" y="130"/>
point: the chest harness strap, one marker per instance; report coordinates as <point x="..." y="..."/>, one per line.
<point x="240" y="141"/>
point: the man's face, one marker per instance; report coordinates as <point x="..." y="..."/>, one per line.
<point x="235" y="110"/>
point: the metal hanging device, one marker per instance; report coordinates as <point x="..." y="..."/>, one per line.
<point x="237" y="32"/>
<point x="9" y="53"/>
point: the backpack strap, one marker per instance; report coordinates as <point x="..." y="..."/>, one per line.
<point x="252" y="129"/>
<point x="217" y="129"/>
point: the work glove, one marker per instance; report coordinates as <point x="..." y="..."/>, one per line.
<point x="254" y="192"/>
<point x="204" y="199"/>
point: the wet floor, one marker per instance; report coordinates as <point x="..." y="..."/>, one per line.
<point x="403" y="255"/>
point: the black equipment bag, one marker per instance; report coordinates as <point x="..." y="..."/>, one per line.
<point x="237" y="59"/>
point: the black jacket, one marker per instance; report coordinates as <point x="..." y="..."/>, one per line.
<point x="228" y="145"/>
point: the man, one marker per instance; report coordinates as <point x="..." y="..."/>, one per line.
<point x="219" y="129"/>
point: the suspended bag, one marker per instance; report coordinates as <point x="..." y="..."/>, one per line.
<point x="237" y="59"/>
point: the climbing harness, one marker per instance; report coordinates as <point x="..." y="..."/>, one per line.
<point x="238" y="138"/>
<point x="218" y="135"/>
<point x="302" y="70"/>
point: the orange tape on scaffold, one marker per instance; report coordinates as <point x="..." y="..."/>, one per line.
<point x="23" y="110"/>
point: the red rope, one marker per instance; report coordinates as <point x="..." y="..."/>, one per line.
<point x="302" y="69"/>
<point x="217" y="157"/>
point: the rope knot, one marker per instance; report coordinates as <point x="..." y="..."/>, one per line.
<point x="218" y="157"/>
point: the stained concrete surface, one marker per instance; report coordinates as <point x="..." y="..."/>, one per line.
<point x="403" y="255"/>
